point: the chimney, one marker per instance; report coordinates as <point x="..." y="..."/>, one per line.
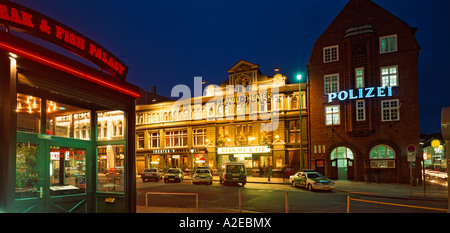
<point x="154" y="90"/>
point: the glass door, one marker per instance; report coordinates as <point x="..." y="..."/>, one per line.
<point x="68" y="174"/>
<point x="30" y="170"/>
<point x="51" y="174"/>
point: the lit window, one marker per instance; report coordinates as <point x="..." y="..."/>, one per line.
<point x="332" y="115"/>
<point x="390" y="110"/>
<point x="294" y="101"/>
<point x="110" y="167"/>
<point x="359" y="77"/>
<point x="389" y="76"/>
<point x="382" y="156"/>
<point x="341" y="153"/>
<point x="177" y="138"/>
<point x="331" y="83"/>
<point x="67" y="169"/>
<point x="153" y="140"/>
<point x="331" y="54"/>
<point x="294" y="131"/>
<point x="199" y="136"/>
<point x="140" y="144"/>
<point x="388" y="44"/>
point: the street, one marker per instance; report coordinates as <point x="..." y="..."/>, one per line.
<point x="270" y="198"/>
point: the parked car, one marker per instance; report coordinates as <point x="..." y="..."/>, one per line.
<point x="202" y="175"/>
<point x="173" y="175"/>
<point x="152" y="173"/>
<point x="312" y="180"/>
<point x="233" y="172"/>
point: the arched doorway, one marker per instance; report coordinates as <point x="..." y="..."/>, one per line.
<point x="342" y="164"/>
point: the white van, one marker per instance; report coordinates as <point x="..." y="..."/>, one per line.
<point x="233" y="172"/>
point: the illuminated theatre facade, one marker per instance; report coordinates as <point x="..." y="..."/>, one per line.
<point x="255" y="122"/>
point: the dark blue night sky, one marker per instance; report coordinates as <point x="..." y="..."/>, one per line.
<point x="168" y="42"/>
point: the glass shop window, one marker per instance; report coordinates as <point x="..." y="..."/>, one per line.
<point x="110" y="173"/>
<point x="111" y="125"/>
<point x="67" y="170"/>
<point x="68" y="121"/>
<point x="28" y="113"/>
<point x="26" y="170"/>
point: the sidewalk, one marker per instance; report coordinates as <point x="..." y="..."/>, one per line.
<point x="388" y="190"/>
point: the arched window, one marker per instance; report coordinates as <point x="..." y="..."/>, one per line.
<point x="294" y="101"/>
<point x="140" y="118"/>
<point x="382" y="156"/>
<point x="187" y="116"/>
<point x="341" y="153"/>
<point x="382" y="152"/>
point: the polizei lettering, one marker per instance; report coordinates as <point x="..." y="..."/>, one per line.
<point x="369" y="92"/>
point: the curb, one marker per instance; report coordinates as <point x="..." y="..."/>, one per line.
<point x="393" y="197"/>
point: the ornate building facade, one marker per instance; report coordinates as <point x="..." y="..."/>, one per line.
<point x="250" y="117"/>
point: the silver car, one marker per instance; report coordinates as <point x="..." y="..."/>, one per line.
<point x="173" y="175"/>
<point x="202" y="175"/>
<point x="152" y="173"/>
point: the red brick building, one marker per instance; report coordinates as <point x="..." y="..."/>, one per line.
<point x="363" y="96"/>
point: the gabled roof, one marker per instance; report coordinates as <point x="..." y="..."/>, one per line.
<point x="240" y="63"/>
<point x="359" y="13"/>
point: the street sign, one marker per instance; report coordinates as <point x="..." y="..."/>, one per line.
<point x="411" y="148"/>
<point x="411" y="156"/>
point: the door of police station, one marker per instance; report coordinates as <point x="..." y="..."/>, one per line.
<point x="53" y="174"/>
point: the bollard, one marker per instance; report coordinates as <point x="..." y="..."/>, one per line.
<point x="240" y="210"/>
<point x="286" y="202"/>
<point x="348" y="204"/>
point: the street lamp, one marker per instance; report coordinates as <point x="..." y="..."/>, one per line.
<point x="299" y="78"/>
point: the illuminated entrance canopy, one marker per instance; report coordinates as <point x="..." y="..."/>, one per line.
<point x="243" y="150"/>
<point x="365" y="93"/>
<point x="22" y="19"/>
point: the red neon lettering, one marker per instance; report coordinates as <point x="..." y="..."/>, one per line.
<point x="69" y="37"/>
<point x="98" y="54"/>
<point x="111" y="62"/>
<point x="15" y="16"/>
<point x="103" y="56"/>
<point x="92" y="49"/>
<point x="4" y="12"/>
<point x="23" y="18"/>
<point x="26" y="19"/>
<point x="59" y="32"/>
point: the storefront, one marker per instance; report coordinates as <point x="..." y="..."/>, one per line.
<point x="257" y="159"/>
<point x="66" y="144"/>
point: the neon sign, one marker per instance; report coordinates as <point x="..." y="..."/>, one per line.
<point x="22" y="19"/>
<point x="365" y="93"/>
<point x="243" y="150"/>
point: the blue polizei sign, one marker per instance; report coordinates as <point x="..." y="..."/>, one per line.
<point x="363" y="93"/>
